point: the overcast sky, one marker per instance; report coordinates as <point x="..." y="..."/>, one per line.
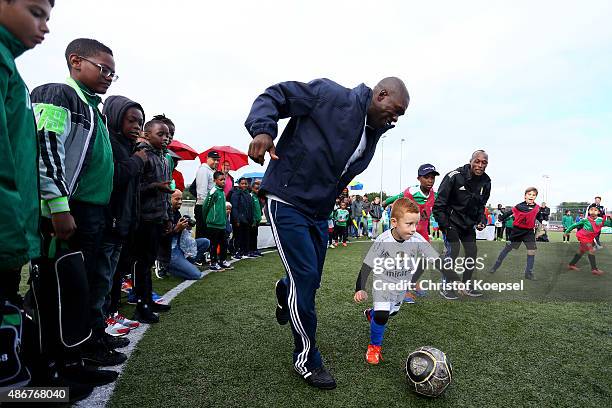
<point x="529" y="82"/>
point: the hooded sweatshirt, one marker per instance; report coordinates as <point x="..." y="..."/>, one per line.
<point x="124" y="201"/>
<point x="19" y="157"/>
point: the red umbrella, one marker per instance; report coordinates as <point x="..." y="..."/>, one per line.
<point x="179" y="180"/>
<point x="182" y="150"/>
<point x="235" y="157"/>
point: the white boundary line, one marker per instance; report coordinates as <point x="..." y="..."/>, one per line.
<point x="101" y="395"/>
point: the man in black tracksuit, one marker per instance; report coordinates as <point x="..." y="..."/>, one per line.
<point x="330" y="138"/>
<point x="459" y="208"/>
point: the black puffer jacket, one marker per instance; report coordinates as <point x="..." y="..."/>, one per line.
<point x="461" y="199"/>
<point x="154" y="204"/>
<point x="124" y="202"/>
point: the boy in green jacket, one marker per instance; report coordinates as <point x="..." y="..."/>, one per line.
<point x="214" y="215"/>
<point x="76" y="172"/>
<point x="23" y="25"/>
<point x="341" y="218"/>
<point x="567" y="222"/>
<point x="254" y="229"/>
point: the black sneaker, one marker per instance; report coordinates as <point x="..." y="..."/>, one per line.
<point x="76" y="391"/>
<point x="99" y="355"/>
<point x="116" y="342"/>
<point x="82" y="374"/>
<point x="215" y="268"/>
<point x="320" y="378"/>
<point x="225" y="265"/>
<point x="449" y="294"/>
<point x="530" y="276"/>
<point x="282" y="308"/>
<point x="159" y="307"/>
<point x="472" y="293"/>
<point x="144" y="315"/>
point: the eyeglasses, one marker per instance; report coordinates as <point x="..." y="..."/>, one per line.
<point x="105" y="72"/>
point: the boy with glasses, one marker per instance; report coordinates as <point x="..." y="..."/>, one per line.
<point x="76" y="174"/>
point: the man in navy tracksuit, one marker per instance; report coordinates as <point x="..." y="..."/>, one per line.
<point x="330" y="138"/>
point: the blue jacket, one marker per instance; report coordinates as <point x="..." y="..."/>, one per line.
<point x="327" y="121"/>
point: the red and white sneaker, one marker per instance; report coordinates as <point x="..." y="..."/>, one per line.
<point x="374" y="354"/>
<point x="115" y="329"/>
<point x="573" y="267"/>
<point x="121" y="319"/>
<point x="597" y="272"/>
<point x="126" y="285"/>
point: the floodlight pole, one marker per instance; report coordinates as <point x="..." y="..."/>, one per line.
<point x="546" y="177"/>
<point x="401" y="162"/>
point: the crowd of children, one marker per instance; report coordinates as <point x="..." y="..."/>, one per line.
<point x="89" y="194"/>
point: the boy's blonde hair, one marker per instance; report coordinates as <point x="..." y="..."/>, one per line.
<point x="402" y="207"/>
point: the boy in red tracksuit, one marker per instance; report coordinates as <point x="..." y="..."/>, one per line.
<point x="525" y="215"/>
<point x="591" y="228"/>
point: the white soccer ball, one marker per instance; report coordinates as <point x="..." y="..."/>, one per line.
<point x="428" y="371"/>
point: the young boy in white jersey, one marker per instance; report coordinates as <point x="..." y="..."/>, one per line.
<point x="390" y="283"/>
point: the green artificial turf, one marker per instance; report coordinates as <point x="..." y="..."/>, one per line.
<point x="220" y="345"/>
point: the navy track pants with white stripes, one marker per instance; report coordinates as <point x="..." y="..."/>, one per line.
<point x="302" y="242"/>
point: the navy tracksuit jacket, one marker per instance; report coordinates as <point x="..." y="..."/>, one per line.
<point x="326" y="125"/>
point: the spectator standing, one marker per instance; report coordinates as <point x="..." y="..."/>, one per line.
<point x="204" y="183"/>
<point x="229" y="180"/>
<point x="499" y="225"/>
<point x="154" y="220"/>
<point x="257" y="213"/>
<point x="376" y="213"/>
<point x="357" y="215"/>
<point x="215" y="218"/>
<point x="567" y="222"/>
<point x="242" y="217"/>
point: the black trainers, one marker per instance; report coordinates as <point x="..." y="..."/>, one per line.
<point x="472" y="293"/>
<point x="98" y="354"/>
<point x="449" y="294"/>
<point x="116" y="342"/>
<point x="282" y="308"/>
<point x="530" y="276"/>
<point x="225" y="265"/>
<point x="76" y="391"/>
<point x="320" y="378"/>
<point x="159" y="307"/>
<point x="144" y="315"/>
<point x="82" y="374"/>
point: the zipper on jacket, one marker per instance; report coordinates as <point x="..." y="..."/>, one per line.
<point x="83" y="153"/>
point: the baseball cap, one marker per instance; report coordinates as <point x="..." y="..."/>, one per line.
<point x="425" y="169"/>
<point x="213" y="154"/>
